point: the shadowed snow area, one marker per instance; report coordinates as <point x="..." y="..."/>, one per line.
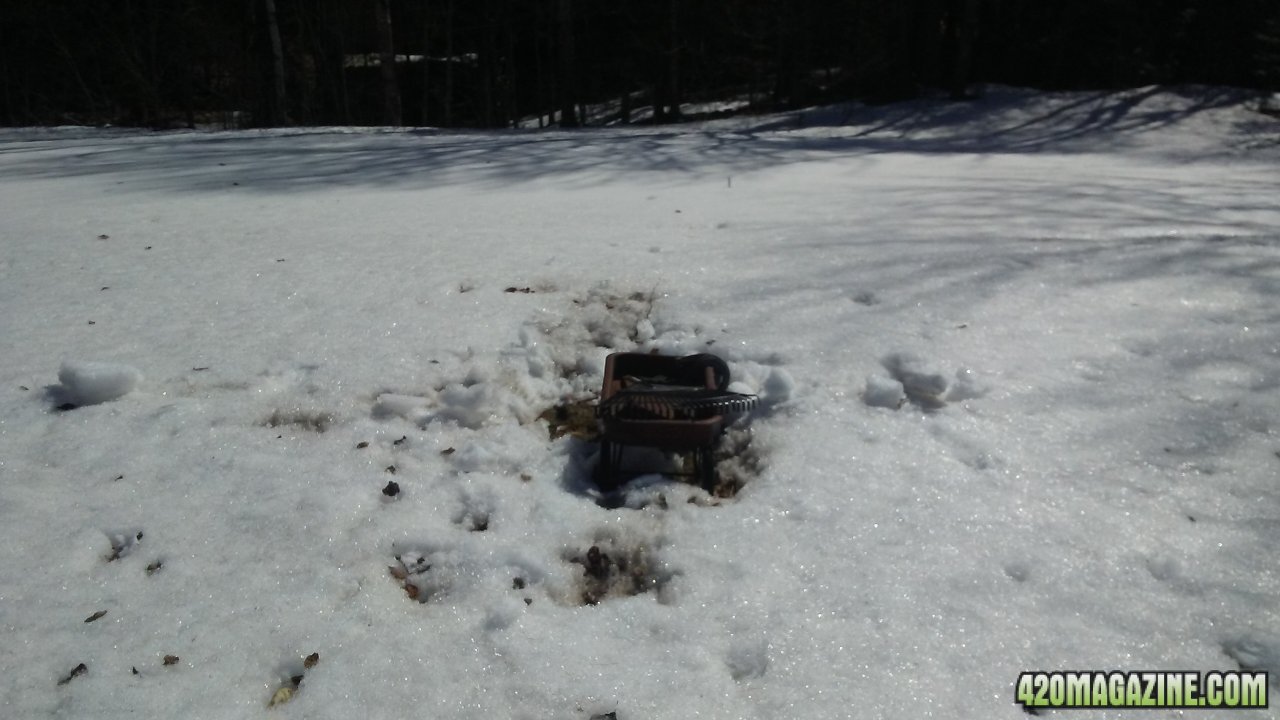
<point x="1019" y="368"/>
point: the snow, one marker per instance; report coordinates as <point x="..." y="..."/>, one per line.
<point x="91" y="383"/>
<point x="884" y="392"/>
<point x="1075" y="293"/>
<point x="920" y="381"/>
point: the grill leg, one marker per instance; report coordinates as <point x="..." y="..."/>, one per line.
<point x="705" y="463"/>
<point x="607" y="465"/>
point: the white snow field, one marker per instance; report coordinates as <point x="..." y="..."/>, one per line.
<point x="1019" y="362"/>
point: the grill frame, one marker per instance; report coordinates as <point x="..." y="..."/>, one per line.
<point x="696" y="436"/>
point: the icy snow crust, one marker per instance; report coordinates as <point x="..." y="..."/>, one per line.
<point x="1020" y="370"/>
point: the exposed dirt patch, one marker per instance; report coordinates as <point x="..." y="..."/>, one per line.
<point x="577" y="419"/>
<point x="76" y="672"/>
<point x="738" y="462"/>
<point x="544" y="287"/>
<point x="311" y="421"/>
<point x="618" y="321"/>
<point x="412" y="569"/>
<point x="123" y="543"/>
<point x="295" y="674"/>
<point x="614" y="570"/>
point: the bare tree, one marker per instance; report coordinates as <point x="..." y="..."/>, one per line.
<point x="426" y="62"/>
<point x="568" y="68"/>
<point x="278" y="108"/>
<point x="387" y="63"/>
<point x="966" y="27"/>
<point x="448" y="63"/>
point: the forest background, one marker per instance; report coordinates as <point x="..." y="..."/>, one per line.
<point x="500" y="63"/>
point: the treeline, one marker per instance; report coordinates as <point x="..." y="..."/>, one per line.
<point x="490" y="63"/>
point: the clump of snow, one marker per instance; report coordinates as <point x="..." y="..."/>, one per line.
<point x="778" y="387"/>
<point x="884" y="392"/>
<point x="408" y="407"/>
<point x="1254" y="653"/>
<point x="758" y="374"/>
<point x="913" y="379"/>
<point x="470" y="406"/>
<point x="967" y="386"/>
<point x="92" y="383"/>
<point x="922" y="382"/>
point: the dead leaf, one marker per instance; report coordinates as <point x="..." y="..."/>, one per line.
<point x="96" y="616"/>
<point x="280" y="697"/>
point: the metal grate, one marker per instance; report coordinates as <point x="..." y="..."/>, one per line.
<point x="673" y="402"/>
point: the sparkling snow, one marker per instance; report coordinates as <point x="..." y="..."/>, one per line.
<point x="1019" y="362"/>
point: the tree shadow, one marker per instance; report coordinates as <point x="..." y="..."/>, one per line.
<point x="299" y="159"/>
<point x="965" y="278"/>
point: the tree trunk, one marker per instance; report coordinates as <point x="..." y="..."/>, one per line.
<point x="278" y="112"/>
<point x="539" y="76"/>
<point x="568" y="112"/>
<point x="387" y="64"/>
<point x="488" y="64"/>
<point x="448" y="65"/>
<point x="512" y="74"/>
<point x="426" y="62"/>
<point x="339" y="64"/>
<point x="966" y="26"/>
<point x="673" y="61"/>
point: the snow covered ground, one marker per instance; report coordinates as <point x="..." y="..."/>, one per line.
<point x="1019" y="362"/>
